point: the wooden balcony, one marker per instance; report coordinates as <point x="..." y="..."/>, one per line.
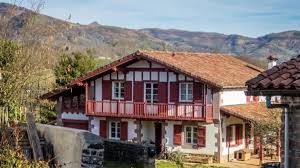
<point x="161" y="111"/>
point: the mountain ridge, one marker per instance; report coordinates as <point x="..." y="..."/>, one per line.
<point x="114" y="42"/>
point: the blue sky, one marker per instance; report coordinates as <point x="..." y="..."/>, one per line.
<point x="246" y="17"/>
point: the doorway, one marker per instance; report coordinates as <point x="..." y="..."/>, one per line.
<point x="158" y="138"/>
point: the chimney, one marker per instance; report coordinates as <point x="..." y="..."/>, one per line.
<point x="272" y="61"/>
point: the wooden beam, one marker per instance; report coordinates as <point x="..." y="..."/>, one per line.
<point x="33" y="137"/>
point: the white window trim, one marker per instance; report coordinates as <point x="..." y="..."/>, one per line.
<point x="192" y="134"/>
<point x="186" y="83"/>
<point x="113" y="90"/>
<point x="116" y="123"/>
<point x="152" y="83"/>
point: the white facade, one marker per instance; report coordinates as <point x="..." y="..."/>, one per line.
<point x="232" y="97"/>
<point x="209" y="148"/>
<point x="74" y="116"/>
<point x="227" y="97"/>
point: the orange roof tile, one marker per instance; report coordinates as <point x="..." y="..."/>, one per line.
<point x="220" y="70"/>
<point x="285" y="76"/>
<point x="251" y="111"/>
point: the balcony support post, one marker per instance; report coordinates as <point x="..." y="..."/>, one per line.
<point x="138" y="130"/>
<point x="86" y="96"/>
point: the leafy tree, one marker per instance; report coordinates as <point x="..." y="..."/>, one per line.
<point x="72" y="66"/>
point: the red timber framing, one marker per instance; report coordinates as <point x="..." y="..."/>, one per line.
<point x="134" y="104"/>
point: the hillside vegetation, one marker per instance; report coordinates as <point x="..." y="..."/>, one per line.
<point x="113" y="42"/>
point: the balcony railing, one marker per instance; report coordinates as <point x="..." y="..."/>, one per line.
<point x="173" y="111"/>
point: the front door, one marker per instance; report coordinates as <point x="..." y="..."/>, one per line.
<point x="158" y="138"/>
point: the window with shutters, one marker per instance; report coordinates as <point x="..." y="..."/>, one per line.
<point x="235" y="134"/>
<point x="186" y="92"/>
<point x="151" y="92"/>
<point x="118" y="90"/>
<point x="191" y="135"/>
<point x="114" y="130"/>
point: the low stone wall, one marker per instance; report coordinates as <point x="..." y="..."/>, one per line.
<point x="137" y="155"/>
<point x="73" y="148"/>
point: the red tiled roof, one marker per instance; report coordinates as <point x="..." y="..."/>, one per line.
<point x="283" y="76"/>
<point x="219" y="70"/>
<point x="251" y="111"/>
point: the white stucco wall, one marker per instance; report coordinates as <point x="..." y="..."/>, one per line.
<point x="229" y="121"/>
<point x="148" y="131"/>
<point x="209" y="149"/>
<point x="74" y="116"/>
<point x="231" y="97"/>
<point x="95" y="124"/>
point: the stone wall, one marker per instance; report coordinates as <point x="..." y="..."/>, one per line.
<point x="294" y="122"/>
<point x="73" y="148"/>
<point x="137" y="155"/>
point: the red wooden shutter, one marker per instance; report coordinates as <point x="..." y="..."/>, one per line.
<point x="162" y="98"/>
<point x="103" y="129"/>
<point x="174" y="90"/>
<point x="201" y="136"/>
<point x="124" y="131"/>
<point x="127" y="90"/>
<point x="177" y="134"/>
<point x="162" y="92"/>
<point x="228" y="133"/>
<point x="239" y="133"/>
<point x="138" y="92"/>
<point x="197" y="92"/>
<point x="106" y="90"/>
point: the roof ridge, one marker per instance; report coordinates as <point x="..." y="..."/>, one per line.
<point x="185" y="52"/>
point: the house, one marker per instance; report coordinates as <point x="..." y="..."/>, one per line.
<point x="283" y="81"/>
<point x="192" y="102"/>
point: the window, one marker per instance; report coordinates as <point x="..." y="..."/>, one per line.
<point x="118" y="90"/>
<point x="151" y="92"/>
<point x="114" y="130"/>
<point x="186" y="92"/>
<point x="191" y="135"/>
<point x="232" y="135"/>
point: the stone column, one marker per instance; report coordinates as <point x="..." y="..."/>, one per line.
<point x="138" y="130"/>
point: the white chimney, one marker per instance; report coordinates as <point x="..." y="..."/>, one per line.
<point x="272" y="61"/>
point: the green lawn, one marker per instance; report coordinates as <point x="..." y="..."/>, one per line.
<point x="168" y="164"/>
<point x="159" y="164"/>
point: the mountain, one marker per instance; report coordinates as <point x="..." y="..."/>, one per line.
<point x="109" y="41"/>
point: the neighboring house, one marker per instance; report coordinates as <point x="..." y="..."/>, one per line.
<point x="283" y="80"/>
<point x="192" y="102"/>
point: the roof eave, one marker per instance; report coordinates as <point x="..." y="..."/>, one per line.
<point x="272" y="92"/>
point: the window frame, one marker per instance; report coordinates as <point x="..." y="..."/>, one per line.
<point x="115" y="137"/>
<point x="119" y="90"/>
<point x="152" y="92"/>
<point x="186" y="91"/>
<point x="192" y="135"/>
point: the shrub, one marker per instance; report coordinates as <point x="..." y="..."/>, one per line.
<point x="177" y="157"/>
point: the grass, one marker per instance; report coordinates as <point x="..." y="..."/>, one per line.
<point x="168" y="164"/>
<point x="158" y="164"/>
